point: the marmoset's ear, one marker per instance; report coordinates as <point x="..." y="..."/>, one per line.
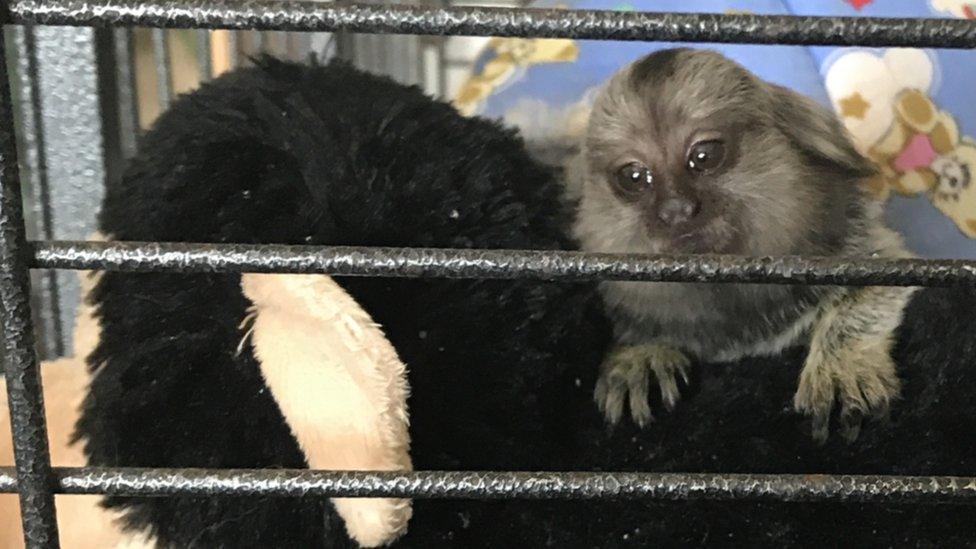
<point x="817" y="132"/>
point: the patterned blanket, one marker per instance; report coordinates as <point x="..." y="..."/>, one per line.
<point x="912" y="111"/>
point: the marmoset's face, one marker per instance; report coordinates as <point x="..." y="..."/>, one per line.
<point x="688" y="152"/>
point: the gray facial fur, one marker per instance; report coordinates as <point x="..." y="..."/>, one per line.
<point x="789" y="185"/>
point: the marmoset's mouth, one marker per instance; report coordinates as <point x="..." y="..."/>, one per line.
<point x="714" y="237"/>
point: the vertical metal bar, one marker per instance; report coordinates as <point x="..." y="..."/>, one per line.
<point x="442" y="69"/>
<point x="276" y="44"/>
<point x="345" y="45"/>
<point x="423" y="61"/>
<point x="234" y="47"/>
<point x="26" y="401"/>
<point x="375" y="61"/>
<point x="382" y="44"/>
<point x="299" y="45"/>
<point x="108" y="88"/>
<point x="164" y="81"/>
<point x="38" y="214"/>
<point x="223" y="51"/>
<point x="325" y="46"/>
<point x="432" y="68"/>
<point x="405" y="50"/>
<point x="291" y="45"/>
<point x="128" y="109"/>
<point x="249" y="45"/>
<point x="258" y="42"/>
<point x="74" y="149"/>
<point x="204" y="55"/>
<point x="441" y="54"/>
<point x="361" y="51"/>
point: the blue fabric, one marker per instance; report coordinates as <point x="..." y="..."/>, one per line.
<point x="928" y="231"/>
<point x="560" y="84"/>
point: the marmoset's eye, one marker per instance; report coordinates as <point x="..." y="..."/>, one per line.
<point x="706" y="156"/>
<point x="634" y="177"/>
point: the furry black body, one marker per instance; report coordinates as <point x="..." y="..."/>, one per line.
<point x="501" y="372"/>
<point x="329" y="155"/>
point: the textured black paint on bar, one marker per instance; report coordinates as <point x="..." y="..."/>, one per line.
<point x="508" y="485"/>
<point x="505" y="264"/>
<point x="24" y="394"/>
<point x="483" y="21"/>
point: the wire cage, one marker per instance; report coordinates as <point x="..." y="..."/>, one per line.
<point x="81" y="96"/>
<point x="36" y="481"/>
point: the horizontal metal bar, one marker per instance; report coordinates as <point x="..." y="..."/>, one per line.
<point x="506" y="485"/>
<point x="492" y="21"/>
<point x="500" y="264"/>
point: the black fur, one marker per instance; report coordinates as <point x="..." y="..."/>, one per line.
<point x="739" y="419"/>
<point x="501" y="372"/>
<point x="329" y="155"/>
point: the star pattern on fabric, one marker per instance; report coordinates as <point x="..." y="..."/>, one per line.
<point x="854" y="106"/>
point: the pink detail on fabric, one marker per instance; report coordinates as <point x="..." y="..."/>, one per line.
<point x="858" y="4"/>
<point x="919" y="153"/>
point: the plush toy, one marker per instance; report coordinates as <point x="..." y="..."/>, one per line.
<point x="724" y="426"/>
<point x="82" y="522"/>
<point x="225" y="370"/>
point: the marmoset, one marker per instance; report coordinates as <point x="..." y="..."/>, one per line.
<point x="686" y="151"/>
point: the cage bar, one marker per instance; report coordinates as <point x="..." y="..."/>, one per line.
<point x="36" y="481"/>
<point x="33" y="160"/>
<point x="164" y="78"/>
<point x="204" y="55"/>
<point x="24" y="396"/>
<point x="554" y="265"/>
<point x="487" y="485"/>
<point x="128" y="110"/>
<point x="493" y="21"/>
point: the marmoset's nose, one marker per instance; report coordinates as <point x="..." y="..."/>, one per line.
<point x="677" y="210"/>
